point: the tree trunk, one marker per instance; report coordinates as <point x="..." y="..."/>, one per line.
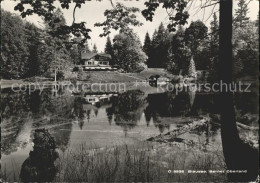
<point x="238" y="156"/>
<point x="225" y="55"/>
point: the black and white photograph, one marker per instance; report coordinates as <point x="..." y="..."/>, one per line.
<point x="129" y="91"/>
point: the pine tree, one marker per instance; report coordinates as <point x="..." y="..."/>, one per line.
<point x="163" y="47"/>
<point x="109" y="50"/>
<point x="94" y="48"/>
<point x="241" y="14"/>
<point x="108" y="46"/>
<point x="181" y="54"/>
<point x="153" y="56"/>
<point x="161" y="32"/>
<point x="147" y="44"/>
<point x="34" y="42"/>
<point x="86" y="47"/>
<point x="160" y="48"/>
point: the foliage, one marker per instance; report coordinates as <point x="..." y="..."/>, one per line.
<point x="55" y="54"/>
<point x="128" y="52"/>
<point x="28" y="51"/>
<point x="14" y="46"/>
<point x="39" y="167"/>
<point x="245" y="43"/>
<point x="119" y="18"/>
<point x="214" y="48"/>
<point x="194" y="34"/>
<point x="147" y="46"/>
<point x="38" y="58"/>
<point x="46" y="10"/>
<point x="94" y="48"/>
<point x="179" y="17"/>
<point x="159" y="49"/>
<point x="181" y="54"/>
<point x="60" y="75"/>
<point x="127" y="108"/>
<point x="75" y="54"/>
<point x="245" y="50"/>
<point x="33" y="37"/>
<point x="241" y="19"/>
<point x="86" y="47"/>
<point x="109" y="50"/>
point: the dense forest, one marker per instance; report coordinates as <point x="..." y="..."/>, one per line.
<point x="196" y="47"/>
<point x="28" y="50"/>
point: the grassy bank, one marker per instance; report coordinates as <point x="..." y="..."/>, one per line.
<point x="95" y="77"/>
<point x="112" y="76"/>
<point x="135" y="164"/>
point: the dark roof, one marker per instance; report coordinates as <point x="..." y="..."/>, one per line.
<point x="90" y="55"/>
<point x="104" y="55"/>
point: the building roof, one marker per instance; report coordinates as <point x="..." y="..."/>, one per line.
<point x="89" y="55"/>
<point x="104" y="55"/>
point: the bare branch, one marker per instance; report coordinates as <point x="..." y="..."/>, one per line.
<point x="212" y="12"/>
<point x="74" y="12"/>
<point x="112" y="4"/>
<point x="210" y="5"/>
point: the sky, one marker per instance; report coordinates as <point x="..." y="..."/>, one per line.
<point x="93" y="11"/>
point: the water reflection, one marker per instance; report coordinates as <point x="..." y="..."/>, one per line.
<point x="127" y="109"/>
<point x="23" y="112"/>
<point x="65" y="115"/>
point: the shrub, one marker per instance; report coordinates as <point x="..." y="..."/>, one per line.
<point x="60" y="75"/>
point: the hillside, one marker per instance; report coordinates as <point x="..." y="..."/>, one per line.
<point x="107" y="76"/>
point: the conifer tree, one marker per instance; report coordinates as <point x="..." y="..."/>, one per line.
<point x="160" y="46"/>
<point x="86" y="47"/>
<point x="94" y="48"/>
<point x="109" y="50"/>
<point x="153" y="56"/>
<point x="163" y="47"/>
<point x="241" y="18"/>
<point x="108" y="46"/>
<point x="147" y="44"/>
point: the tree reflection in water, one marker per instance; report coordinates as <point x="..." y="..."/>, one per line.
<point x="127" y="109"/>
<point x="57" y="112"/>
<point x="39" y="166"/>
<point x="43" y="109"/>
<point x="78" y="111"/>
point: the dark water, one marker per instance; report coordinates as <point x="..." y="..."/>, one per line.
<point x="103" y="120"/>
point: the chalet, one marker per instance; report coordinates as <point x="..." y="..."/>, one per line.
<point x="96" y="61"/>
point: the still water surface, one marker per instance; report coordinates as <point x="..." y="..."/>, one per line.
<point x="103" y="120"/>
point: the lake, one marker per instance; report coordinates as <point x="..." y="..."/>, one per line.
<point x="108" y="120"/>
